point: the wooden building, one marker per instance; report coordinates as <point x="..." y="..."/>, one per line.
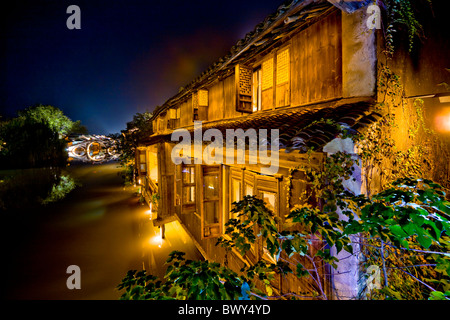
<point x="310" y="60"/>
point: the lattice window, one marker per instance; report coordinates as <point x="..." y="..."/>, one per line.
<point x="243" y="88"/>
<point x="283" y="66"/>
<point x="200" y="100"/>
<point x="267" y="74"/>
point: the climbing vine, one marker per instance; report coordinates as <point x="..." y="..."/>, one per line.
<point x="422" y="154"/>
<point x="401" y="15"/>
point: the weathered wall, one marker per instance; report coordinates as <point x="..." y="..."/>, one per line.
<point x="346" y="276"/>
<point x="423" y="73"/>
<point x="358" y="55"/>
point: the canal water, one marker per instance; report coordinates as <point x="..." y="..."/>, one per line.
<point x="99" y="226"/>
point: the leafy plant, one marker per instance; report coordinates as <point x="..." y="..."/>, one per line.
<point x="185" y="280"/>
<point x="137" y="129"/>
<point x="401" y="15"/>
<point x="410" y="221"/>
<point x="407" y="220"/>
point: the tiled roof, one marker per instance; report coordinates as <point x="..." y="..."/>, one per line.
<point x="300" y="128"/>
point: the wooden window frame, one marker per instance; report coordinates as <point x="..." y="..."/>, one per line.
<point x="243" y="82"/>
<point x="257" y="89"/>
<point x="278" y="89"/>
<point x="234" y="175"/>
<point x="173" y="118"/>
<point x="180" y="184"/>
<point x="199" y="109"/>
<point x="142" y="164"/>
<point x="211" y="230"/>
<point x="266" y="184"/>
<point x="268" y="72"/>
<point x="249" y="179"/>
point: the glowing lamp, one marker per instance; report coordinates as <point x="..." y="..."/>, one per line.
<point x="442" y="120"/>
<point x="444" y="97"/>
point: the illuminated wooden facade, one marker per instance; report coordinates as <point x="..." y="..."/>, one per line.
<point x="303" y="63"/>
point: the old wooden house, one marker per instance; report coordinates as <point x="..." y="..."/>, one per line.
<point x="308" y="61"/>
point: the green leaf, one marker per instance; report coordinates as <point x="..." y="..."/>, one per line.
<point x="349" y="248"/>
<point x="437" y="295"/>
<point x="424" y="240"/>
<point x="300" y="271"/>
<point x="339" y="245"/>
<point x="398" y="231"/>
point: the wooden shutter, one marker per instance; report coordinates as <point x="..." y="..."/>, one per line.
<point x="282" y="78"/>
<point x="211" y="201"/>
<point x="200" y="102"/>
<point x="243" y="76"/>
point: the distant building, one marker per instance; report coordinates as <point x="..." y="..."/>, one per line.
<point x="308" y="61"/>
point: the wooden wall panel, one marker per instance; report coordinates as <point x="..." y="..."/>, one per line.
<point x="283" y="62"/>
<point x="229" y="89"/>
<point x="267" y="99"/>
<point x="186" y="113"/>
<point x="316" y="67"/>
<point x="283" y="95"/>
<point x="215" y="108"/>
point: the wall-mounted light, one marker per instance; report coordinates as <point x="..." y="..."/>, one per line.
<point x="443" y="97"/>
<point x="442" y="116"/>
<point x="442" y="120"/>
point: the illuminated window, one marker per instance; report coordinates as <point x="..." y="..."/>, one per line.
<point x="188" y="182"/>
<point x="282" y="78"/>
<point x="243" y="80"/>
<point x="248" y="189"/>
<point x="203" y="98"/>
<point x="236" y="189"/>
<point x="249" y="179"/>
<point x="160" y="123"/>
<point x="257" y="92"/>
<point x="267" y="74"/>
<point x="270" y="201"/>
<point x="173" y="120"/>
<point x="200" y="102"/>
<point x="185" y="188"/>
<point x="211" y="201"/>
<point x="142" y="162"/>
<point x="283" y="67"/>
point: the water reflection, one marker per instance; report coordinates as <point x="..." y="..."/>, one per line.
<point x="27" y="188"/>
<point x="61" y="189"/>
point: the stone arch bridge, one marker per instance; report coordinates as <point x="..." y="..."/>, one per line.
<point x="92" y="148"/>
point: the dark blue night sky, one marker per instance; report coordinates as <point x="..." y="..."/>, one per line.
<point x="128" y="57"/>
